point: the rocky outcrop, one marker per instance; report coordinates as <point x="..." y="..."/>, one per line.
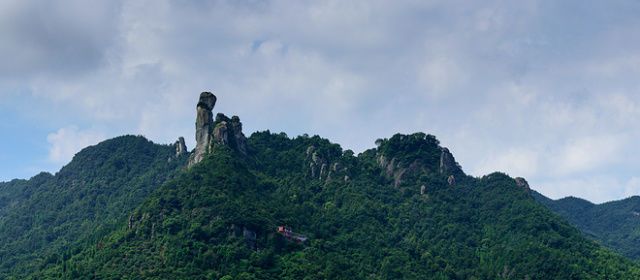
<point x="323" y="167"/>
<point x="209" y="132"/>
<point x="181" y="147"/>
<point x="423" y="190"/>
<point x="241" y="140"/>
<point x="522" y="183"/>
<point x="204" y="126"/>
<point x="399" y="168"/>
<point x="448" y="164"/>
<point x="228" y="131"/>
<point x="317" y="164"/>
<point x="451" y="180"/>
<point x="398" y="171"/>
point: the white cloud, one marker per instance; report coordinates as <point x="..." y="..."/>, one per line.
<point x="514" y="87"/>
<point x="596" y="189"/>
<point x="586" y="154"/>
<point x="439" y="74"/>
<point x="69" y="140"/>
<point x="516" y="162"/>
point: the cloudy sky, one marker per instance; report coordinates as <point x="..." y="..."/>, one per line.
<point x="547" y="90"/>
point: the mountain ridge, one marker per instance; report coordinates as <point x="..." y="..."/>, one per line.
<point x="404" y="209"/>
<point x="615" y="224"/>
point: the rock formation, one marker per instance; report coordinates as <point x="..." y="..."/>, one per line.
<point x="181" y="147"/>
<point x="521" y="182"/>
<point x="228" y="131"/>
<point x="325" y="167"/>
<point x="209" y="132"/>
<point x="451" y="180"/>
<point x="204" y="126"/>
<point x="317" y="164"/>
<point x="448" y="163"/>
<point x="423" y="190"/>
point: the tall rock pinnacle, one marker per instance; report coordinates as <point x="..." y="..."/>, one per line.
<point x="219" y="131"/>
<point x="181" y="147"/>
<point x="204" y="126"/>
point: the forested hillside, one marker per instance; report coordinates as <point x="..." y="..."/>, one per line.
<point x="615" y="224"/>
<point x="42" y="220"/>
<point x="404" y="210"/>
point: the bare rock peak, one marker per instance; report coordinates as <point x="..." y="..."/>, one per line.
<point x="204" y="126"/>
<point x="219" y="131"/>
<point x="181" y="147"/>
<point x="522" y="183"/>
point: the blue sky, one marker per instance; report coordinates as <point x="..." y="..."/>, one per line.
<point x="547" y="90"/>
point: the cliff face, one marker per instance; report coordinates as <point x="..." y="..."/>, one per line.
<point x="210" y="132"/>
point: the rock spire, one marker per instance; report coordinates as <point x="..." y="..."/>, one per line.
<point x="181" y="147"/>
<point x="204" y="126"/>
<point x="219" y="131"/>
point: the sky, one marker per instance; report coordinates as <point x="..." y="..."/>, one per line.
<point x="546" y="90"/>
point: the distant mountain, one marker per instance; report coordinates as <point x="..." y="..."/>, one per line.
<point x="43" y="219"/>
<point x="615" y="224"/>
<point x="273" y="207"/>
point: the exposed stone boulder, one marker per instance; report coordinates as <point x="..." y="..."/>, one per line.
<point x="228" y="131"/>
<point x="317" y="164"/>
<point x="220" y="133"/>
<point x="423" y="190"/>
<point x="181" y="147"/>
<point x="324" y="166"/>
<point x="132" y="220"/>
<point x="451" y="180"/>
<point x="241" y="140"/>
<point x="396" y="170"/>
<point x="448" y="164"/>
<point x="204" y="126"/>
<point x="521" y="182"/>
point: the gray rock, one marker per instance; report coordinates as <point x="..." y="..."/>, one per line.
<point x="210" y="132"/>
<point x="521" y="182"/>
<point x="204" y="127"/>
<point x="132" y="220"/>
<point x="228" y="131"/>
<point x="240" y="139"/>
<point x="448" y="163"/>
<point x="323" y="170"/>
<point x="181" y="147"/>
<point x="423" y="190"/>
<point x="220" y="133"/>
<point x="451" y="180"/>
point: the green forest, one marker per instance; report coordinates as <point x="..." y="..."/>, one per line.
<point x="614" y="224"/>
<point x="130" y="209"/>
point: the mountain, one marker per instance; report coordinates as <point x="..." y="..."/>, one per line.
<point x="45" y="217"/>
<point x="614" y="224"/>
<point x="273" y="207"/>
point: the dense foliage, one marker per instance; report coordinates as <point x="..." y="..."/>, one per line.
<point x="615" y="224"/>
<point x="218" y="221"/>
<point x="43" y="219"/>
